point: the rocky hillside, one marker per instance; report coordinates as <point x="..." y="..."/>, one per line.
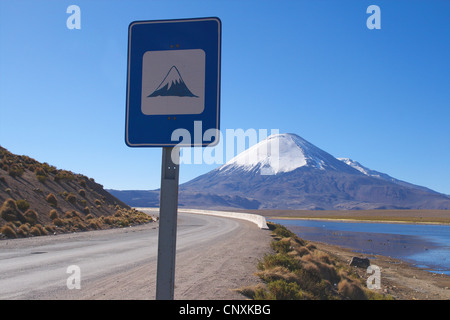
<point x="39" y="199"/>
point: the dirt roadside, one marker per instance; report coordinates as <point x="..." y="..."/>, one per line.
<point x="212" y="272"/>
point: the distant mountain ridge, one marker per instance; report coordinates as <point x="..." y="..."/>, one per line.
<point x="380" y="175"/>
<point x="295" y="175"/>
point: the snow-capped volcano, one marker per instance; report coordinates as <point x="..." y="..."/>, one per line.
<point x="285" y="171"/>
<point x="282" y="153"/>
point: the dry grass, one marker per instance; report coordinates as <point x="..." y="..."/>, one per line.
<point x="24" y="225"/>
<point x="298" y="270"/>
<point x="51" y="199"/>
<point x="39" y="199"/>
<point x="8" y="231"/>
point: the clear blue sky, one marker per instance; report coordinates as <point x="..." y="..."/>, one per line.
<point x="380" y="97"/>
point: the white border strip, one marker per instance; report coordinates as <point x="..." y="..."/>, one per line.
<point x="260" y="221"/>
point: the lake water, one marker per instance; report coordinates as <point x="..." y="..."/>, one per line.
<point x="425" y="246"/>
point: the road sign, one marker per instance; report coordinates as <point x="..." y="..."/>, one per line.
<point x="173" y="81"/>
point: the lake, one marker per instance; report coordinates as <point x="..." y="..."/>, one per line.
<point x="425" y="246"/>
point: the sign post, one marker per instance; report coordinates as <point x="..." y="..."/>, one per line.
<point x="167" y="224"/>
<point x="173" y="83"/>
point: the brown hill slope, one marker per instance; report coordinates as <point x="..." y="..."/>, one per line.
<point x="39" y="199"/>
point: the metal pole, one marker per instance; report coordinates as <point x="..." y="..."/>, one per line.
<point x="168" y="206"/>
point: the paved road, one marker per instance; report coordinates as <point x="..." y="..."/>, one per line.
<point x="121" y="263"/>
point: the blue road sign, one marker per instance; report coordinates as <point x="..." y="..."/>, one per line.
<point x="173" y="82"/>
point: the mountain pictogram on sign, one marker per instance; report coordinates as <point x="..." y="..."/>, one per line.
<point x="172" y="85"/>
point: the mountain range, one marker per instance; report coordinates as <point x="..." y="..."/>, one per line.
<point x="294" y="175"/>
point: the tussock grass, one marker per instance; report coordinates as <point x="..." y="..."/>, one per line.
<point x="49" y="206"/>
<point x="71" y="198"/>
<point x="51" y="199"/>
<point x="22" y="205"/>
<point x="10" y="212"/>
<point x="8" y="231"/>
<point x="53" y="214"/>
<point x="31" y="216"/>
<point x="297" y="270"/>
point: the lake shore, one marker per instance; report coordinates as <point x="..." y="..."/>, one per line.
<point x="391" y="216"/>
<point x="400" y="279"/>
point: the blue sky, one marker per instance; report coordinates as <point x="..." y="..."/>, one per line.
<point x="380" y="97"/>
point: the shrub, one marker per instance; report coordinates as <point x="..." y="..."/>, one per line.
<point x="40" y="171"/>
<point x="8" y="231"/>
<point x="82" y="192"/>
<point x="71" y="198"/>
<point x="93" y="225"/>
<point x="23" y="230"/>
<point x="53" y="214"/>
<point x="69" y="215"/>
<point x="280" y="259"/>
<point x="31" y="216"/>
<point x="79" y="225"/>
<point x="282" y="246"/>
<point x="51" y="199"/>
<point x="351" y="290"/>
<point x="49" y="168"/>
<point x="41" y="179"/>
<point x="280" y="230"/>
<point x="15" y="171"/>
<point x="23" y="205"/>
<point x="282" y="290"/>
<point x="83" y="183"/>
<point x="58" y="222"/>
<point x="64" y="175"/>
<point x="50" y="228"/>
<point x="35" y="231"/>
<point x="97" y="202"/>
<point x="42" y="229"/>
<point x="10" y="212"/>
<point x="86" y="210"/>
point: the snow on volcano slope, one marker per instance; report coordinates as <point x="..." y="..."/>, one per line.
<point x="281" y="153"/>
<point x="379" y="175"/>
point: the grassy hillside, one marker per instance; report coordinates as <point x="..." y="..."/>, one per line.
<point x="39" y="199"/>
